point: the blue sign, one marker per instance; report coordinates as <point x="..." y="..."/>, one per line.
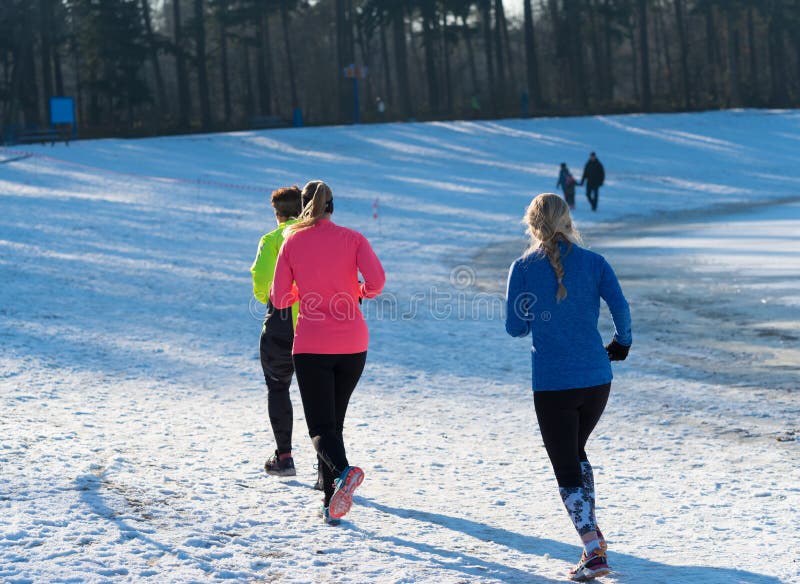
<point x="62" y="110"/>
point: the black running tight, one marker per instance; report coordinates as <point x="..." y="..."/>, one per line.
<point x="326" y="383"/>
<point x="566" y="418"/>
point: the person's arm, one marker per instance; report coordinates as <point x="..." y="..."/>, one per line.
<point x="284" y="291"/>
<point x="263" y="270"/>
<point x="519" y="303"/>
<point x="560" y="179"/>
<point x="371" y="269"/>
<point x="585" y="170"/>
<point x="601" y="174"/>
<point x="611" y="292"/>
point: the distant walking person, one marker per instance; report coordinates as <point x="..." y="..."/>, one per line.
<point x="593" y="175"/>
<point x="319" y="264"/>
<point x="554" y="293"/>
<point x="567" y="184"/>
<point x="277" y="334"/>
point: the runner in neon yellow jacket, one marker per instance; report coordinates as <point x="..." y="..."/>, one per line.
<point x="263" y="268"/>
<point x="277" y="334"/>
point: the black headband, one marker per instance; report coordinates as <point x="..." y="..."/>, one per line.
<point x="308" y="198"/>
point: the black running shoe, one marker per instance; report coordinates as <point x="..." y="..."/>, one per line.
<point x="278" y="467"/>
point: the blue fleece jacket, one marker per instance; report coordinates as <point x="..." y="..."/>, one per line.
<point x="568" y="351"/>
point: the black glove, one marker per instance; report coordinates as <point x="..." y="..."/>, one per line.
<point x="616" y="351"/>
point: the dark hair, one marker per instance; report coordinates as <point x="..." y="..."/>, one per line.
<point x="286" y="201"/>
<point x="593" y="154"/>
<point x="563" y="165"/>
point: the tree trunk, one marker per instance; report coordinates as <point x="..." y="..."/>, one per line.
<point x="289" y="59"/>
<point x="387" y="74"/>
<point x="45" y="30"/>
<point x="487" y="41"/>
<point x="30" y="88"/>
<point x="428" y="39"/>
<point x="647" y="98"/>
<point x="684" y="48"/>
<point x="250" y="102"/>
<point x="448" y="82"/>
<point x="661" y="27"/>
<point x="711" y="52"/>
<point x="401" y="62"/>
<point x="223" y="65"/>
<point x="502" y="89"/>
<point x="532" y="65"/>
<point x="201" y="61"/>
<point x="263" y="63"/>
<point x="637" y="94"/>
<point x="344" y="56"/>
<point x="597" y="56"/>
<point x="473" y="69"/>
<point x="366" y="57"/>
<point x="58" y="71"/>
<point x="509" y="53"/>
<point x="79" y="85"/>
<point x="751" y="47"/>
<point x="734" y="94"/>
<point x="609" y="48"/>
<point x="574" y="21"/>
<point x="161" y="94"/>
<point x="184" y="98"/>
<point x="777" y="58"/>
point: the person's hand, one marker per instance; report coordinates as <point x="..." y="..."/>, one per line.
<point x="617" y="351"/>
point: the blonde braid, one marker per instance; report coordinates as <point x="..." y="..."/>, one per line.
<point x="553" y="253"/>
<point x="549" y="222"/>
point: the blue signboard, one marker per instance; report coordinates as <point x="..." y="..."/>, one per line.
<point x="62" y="110"/>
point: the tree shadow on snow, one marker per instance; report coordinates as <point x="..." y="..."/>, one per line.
<point x="626" y="567"/>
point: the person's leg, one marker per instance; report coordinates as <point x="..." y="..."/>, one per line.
<point x="348" y="371"/>
<point x="558" y="413"/>
<point x="594" y="403"/>
<point x="596" y="198"/>
<point x="589" y="194"/>
<point x="275" y="350"/>
<point x="317" y="382"/>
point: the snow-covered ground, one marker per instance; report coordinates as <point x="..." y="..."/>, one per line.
<point x="133" y="427"/>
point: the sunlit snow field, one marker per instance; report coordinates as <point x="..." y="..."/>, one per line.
<point x="133" y="424"/>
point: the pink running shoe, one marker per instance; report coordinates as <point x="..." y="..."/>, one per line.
<point x="346" y="484"/>
<point x="590" y="567"/>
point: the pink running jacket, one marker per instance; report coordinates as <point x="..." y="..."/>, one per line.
<point x="319" y="266"/>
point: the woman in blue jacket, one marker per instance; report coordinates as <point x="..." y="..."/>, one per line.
<point x="554" y="293"/>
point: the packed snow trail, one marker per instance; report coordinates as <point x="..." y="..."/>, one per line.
<point x="134" y="427"/>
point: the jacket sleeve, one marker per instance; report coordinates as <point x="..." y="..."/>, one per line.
<point x="560" y="179"/>
<point x="284" y="291"/>
<point x="263" y="270"/>
<point x="585" y="171"/>
<point x="371" y="269"/>
<point x="611" y="292"/>
<point x="518" y="303"/>
<point x="602" y="172"/>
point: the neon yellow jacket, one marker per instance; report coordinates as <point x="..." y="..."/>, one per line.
<point x="263" y="268"/>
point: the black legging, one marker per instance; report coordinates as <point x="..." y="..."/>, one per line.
<point x="275" y="348"/>
<point x="566" y="418"/>
<point x="326" y="383"/>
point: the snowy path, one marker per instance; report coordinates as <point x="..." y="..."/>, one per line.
<point x="133" y="427"/>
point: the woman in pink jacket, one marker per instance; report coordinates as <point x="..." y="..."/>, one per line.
<point x="319" y="265"/>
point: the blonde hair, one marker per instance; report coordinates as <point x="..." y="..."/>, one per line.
<point x="549" y="222"/>
<point x="317" y="195"/>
